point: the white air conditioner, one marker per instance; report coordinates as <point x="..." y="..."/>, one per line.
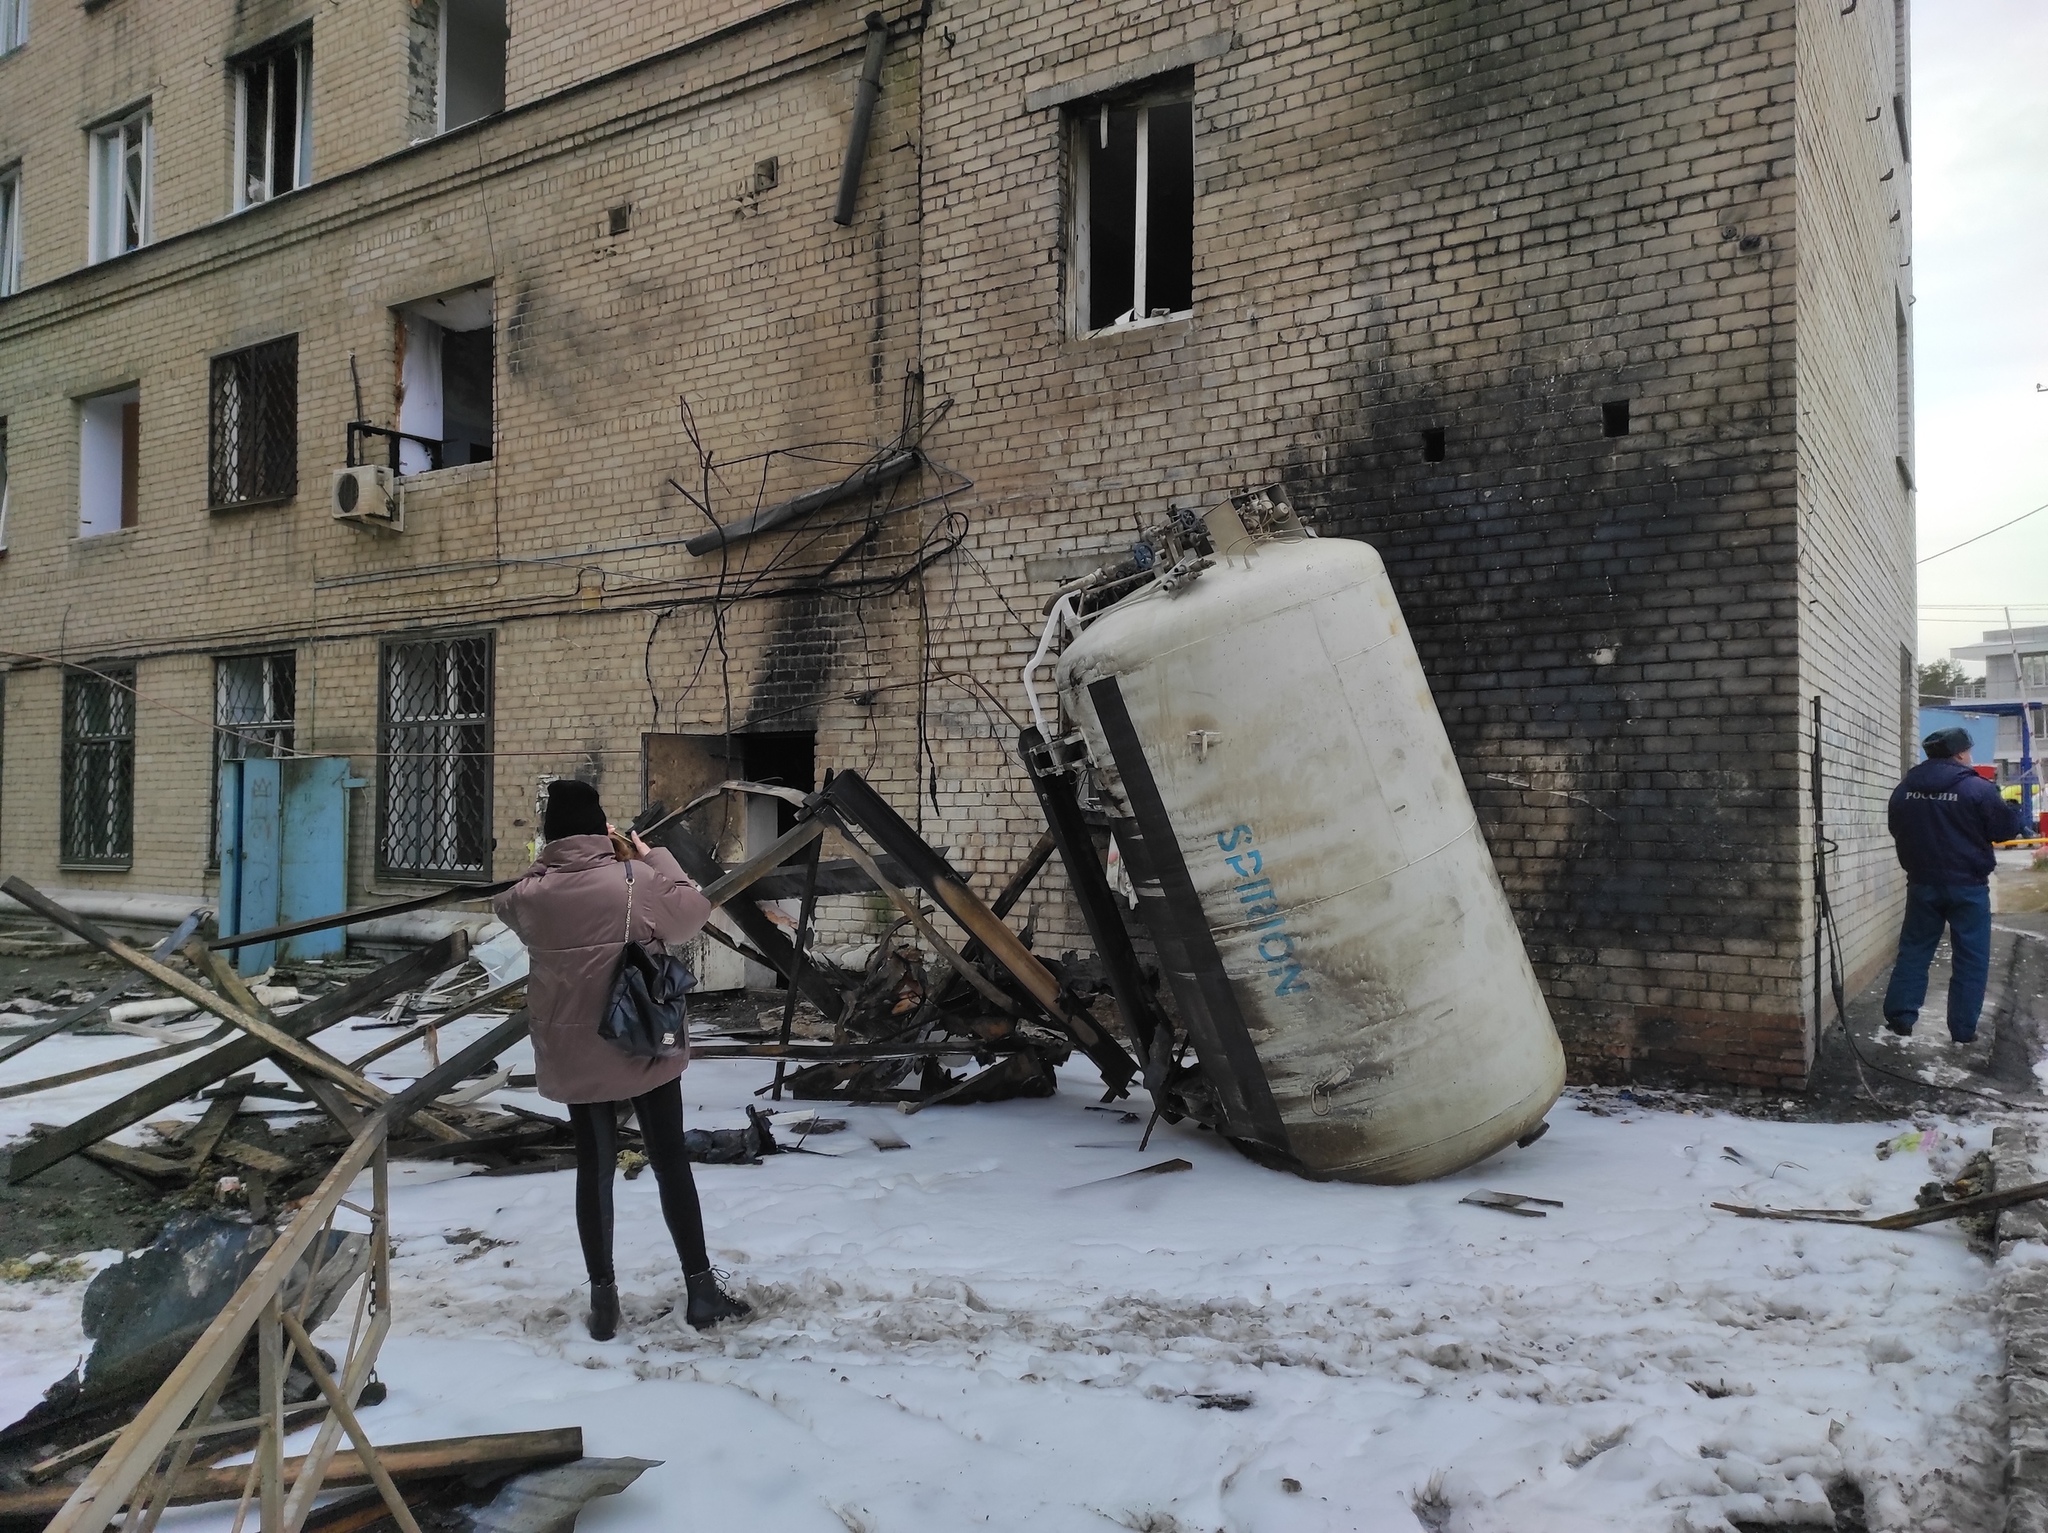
<point x="368" y="495"/>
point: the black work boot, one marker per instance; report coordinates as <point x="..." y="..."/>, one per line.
<point x="604" y="1311"/>
<point x="709" y="1303"/>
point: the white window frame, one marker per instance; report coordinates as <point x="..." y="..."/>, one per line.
<point x="114" y="145"/>
<point x="13" y="25"/>
<point x="301" y="51"/>
<point x="2033" y="672"/>
<point x="10" y="231"/>
<point x="1085" y="122"/>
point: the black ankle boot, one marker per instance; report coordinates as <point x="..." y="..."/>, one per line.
<point x="709" y="1303"/>
<point x="604" y="1311"/>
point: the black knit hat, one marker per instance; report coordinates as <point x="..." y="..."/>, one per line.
<point x="573" y="810"/>
<point x="1946" y="742"/>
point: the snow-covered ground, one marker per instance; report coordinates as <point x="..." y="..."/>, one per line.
<point x="966" y="1333"/>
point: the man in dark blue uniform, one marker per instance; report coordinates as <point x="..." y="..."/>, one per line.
<point x="1944" y="818"/>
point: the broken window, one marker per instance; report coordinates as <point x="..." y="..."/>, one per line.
<point x="446" y="365"/>
<point x="274" y="122"/>
<point x="109" y="461"/>
<point x="1903" y="350"/>
<point x="10" y="232"/>
<point x="434" y="739"/>
<point x="121" y="156"/>
<point x="472" y="73"/>
<point x="13" y="24"/>
<point x="99" y="768"/>
<point x="253" y="422"/>
<point x="1133" y="217"/>
<point x="255" y="705"/>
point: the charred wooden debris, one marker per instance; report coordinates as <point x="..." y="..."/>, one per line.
<point x="924" y="1022"/>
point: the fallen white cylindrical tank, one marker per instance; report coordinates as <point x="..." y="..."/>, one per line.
<point x="1283" y="789"/>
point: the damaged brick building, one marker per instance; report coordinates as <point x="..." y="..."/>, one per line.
<point x="1594" y="319"/>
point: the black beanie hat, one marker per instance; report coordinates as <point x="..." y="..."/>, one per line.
<point x="573" y="810"/>
<point x="1952" y="741"/>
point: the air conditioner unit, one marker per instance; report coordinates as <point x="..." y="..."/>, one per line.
<point x="369" y="496"/>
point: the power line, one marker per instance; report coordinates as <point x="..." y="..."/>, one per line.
<point x="1985" y="534"/>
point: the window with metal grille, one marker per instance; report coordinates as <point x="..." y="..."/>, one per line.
<point x="121" y="155"/>
<point x="274" y="122"/>
<point x="434" y="738"/>
<point x="255" y="707"/>
<point x="254" y="424"/>
<point x="99" y="768"/>
<point x="10" y="232"/>
<point x="1133" y="214"/>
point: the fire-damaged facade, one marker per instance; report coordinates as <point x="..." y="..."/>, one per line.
<point x="486" y="391"/>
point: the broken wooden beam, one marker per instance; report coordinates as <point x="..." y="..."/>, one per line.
<point x="113" y="992"/>
<point x="367" y="913"/>
<point x="1912" y="1218"/>
<point x="235" y="1055"/>
<point x="113" y="1066"/>
<point x="402" y="1461"/>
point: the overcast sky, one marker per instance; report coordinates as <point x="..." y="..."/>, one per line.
<point x="1980" y="268"/>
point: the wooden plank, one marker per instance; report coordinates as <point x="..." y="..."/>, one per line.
<point x="483" y="1002"/>
<point x="156" y="1169"/>
<point x="269" y="1162"/>
<point x="113" y="1066"/>
<point x="367" y="913"/>
<point x="235" y="1055"/>
<point x="230" y="984"/>
<point x="169" y="945"/>
<point x="278" y="1040"/>
<point x="402" y="1461"/>
<point x="1912" y="1218"/>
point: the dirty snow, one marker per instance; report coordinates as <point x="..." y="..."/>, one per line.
<point x="965" y="1334"/>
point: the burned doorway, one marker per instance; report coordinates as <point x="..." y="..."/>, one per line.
<point x="678" y="768"/>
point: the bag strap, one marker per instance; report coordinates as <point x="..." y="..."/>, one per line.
<point x="629" y="901"/>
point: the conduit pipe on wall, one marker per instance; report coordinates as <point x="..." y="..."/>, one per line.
<point x="863" y="119"/>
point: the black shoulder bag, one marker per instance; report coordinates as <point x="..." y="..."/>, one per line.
<point x="645" y="1015"/>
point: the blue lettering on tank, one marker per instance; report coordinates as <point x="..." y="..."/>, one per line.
<point x="1276" y="948"/>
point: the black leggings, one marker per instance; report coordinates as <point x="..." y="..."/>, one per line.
<point x="597" y="1157"/>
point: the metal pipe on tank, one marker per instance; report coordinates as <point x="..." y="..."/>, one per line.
<point x="863" y="119"/>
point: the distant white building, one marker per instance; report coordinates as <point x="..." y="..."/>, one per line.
<point x="2015" y="670"/>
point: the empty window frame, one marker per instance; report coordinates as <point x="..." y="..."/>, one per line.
<point x="434" y="740"/>
<point x="273" y="122"/>
<point x="109" y="461"/>
<point x="255" y="709"/>
<point x="122" y="153"/>
<point x="13" y="24"/>
<point x="1901" y="57"/>
<point x="99" y="768"/>
<point x="253" y="425"/>
<point x="447" y="359"/>
<point x="10" y="231"/>
<point x="1902" y="337"/>
<point x="471" y="83"/>
<point x="1132" y="222"/>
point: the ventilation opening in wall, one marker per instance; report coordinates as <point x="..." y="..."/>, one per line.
<point x="619" y="219"/>
<point x="1614" y="418"/>
<point x="1433" y="444"/>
